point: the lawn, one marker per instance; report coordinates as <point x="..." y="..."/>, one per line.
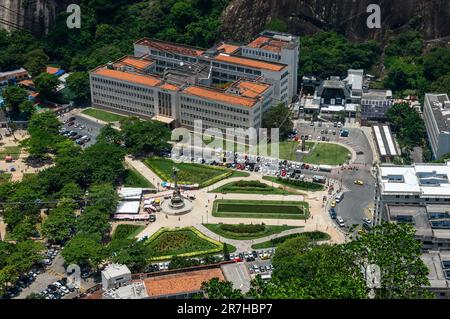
<point x="261" y="209"/>
<point x="185" y="242"/>
<point x="312" y="236"/>
<point x="300" y="185"/>
<point x="189" y="173"/>
<point x="104" y="115"/>
<point x="126" y="231"/>
<point x="250" y="187"/>
<point x="246" y="232"/>
<point x="4" y="178"/>
<point x="327" y="154"/>
<point x="288" y="150"/>
<point x="133" y="178"/>
<point x="13" y="151"/>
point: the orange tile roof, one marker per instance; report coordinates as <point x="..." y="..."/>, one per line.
<point x="250" y="62"/>
<point x="137" y="63"/>
<point x="268" y="44"/>
<point x="181" y="282"/>
<point x="228" y="48"/>
<point x="258" y="42"/>
<point x="129" y="77"/>
<point x="27" y="82"/>
<point x="52" y="70"/>
<point x="168" y="86"/>
<point x="252" y="89"/>
<point x="220" y="96"/>
<point x="171" y="47"/>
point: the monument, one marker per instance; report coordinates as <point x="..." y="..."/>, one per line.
<point x="176" y="205"/>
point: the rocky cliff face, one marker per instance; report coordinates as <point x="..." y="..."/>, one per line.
<point x="242" y="19"/>
<point x="34" y="15"/>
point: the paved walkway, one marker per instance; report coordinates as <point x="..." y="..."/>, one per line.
<point x="202" y="212"/>
<point x="144" y="170"/>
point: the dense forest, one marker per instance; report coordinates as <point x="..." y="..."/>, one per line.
<point x="109" y="29"/>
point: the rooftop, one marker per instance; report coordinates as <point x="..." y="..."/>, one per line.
<point x="184" y="282"/>
<point x="252" y="89"/>
<point x="436" y="263"/>
<point x="228" y="48"/>
<point x="252" y="63"/>
<point x="426" y="180"/>
<point x="115" y="270"/>
<point x="128" y="77"/>
<point x="220" y="96"/>
<point x="132" y="61"/>
<point x="171" y="47"/>
<point x="385" y="141"/>
<point x="440" y="106"/>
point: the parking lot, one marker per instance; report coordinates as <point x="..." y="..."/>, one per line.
<point x="82" y="126"/>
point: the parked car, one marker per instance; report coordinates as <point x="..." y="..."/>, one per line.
<point x="340" y="221"/>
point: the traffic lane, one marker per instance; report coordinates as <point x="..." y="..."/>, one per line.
<point x="352" y="207"/>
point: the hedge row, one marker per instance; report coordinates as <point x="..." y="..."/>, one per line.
<point x="243" y="229"/>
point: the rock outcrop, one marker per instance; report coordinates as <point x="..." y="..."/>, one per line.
<point x="242" y="19"/>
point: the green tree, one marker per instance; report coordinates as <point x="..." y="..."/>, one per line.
<point x="14" y="97"/>
<point x="46" y="84"/>
<point x="110" y="135"/>
<point x="394" y="248"/>
<point x="279" y="117"/>
<point x="78" y="83"/>
<point x="26" y="108"/>
<point x="60" y="224"/>
<point x="217" y="289"/>
<point x="441" y="85"/>
<point x="83" y="250"/>
<point x="407" y="124"/>
<point x="36" y="62"/>
<point x="134" y="256"/>
<point x="436" y="64"/>
<point x="103" y="197"/>
<point x="143" y="137"/>
<point x="93" y="222"/>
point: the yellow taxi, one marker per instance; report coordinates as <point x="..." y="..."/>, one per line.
<point x="333" y="204"/>
<point x="359" y="182"/>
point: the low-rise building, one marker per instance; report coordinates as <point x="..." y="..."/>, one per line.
<point x="375" y="104"/>
<point x="115" y="276"/>
<point x="436" y="114"/>
<point x="387" y="147"/>
<point x="438" y="264"/>
<point x="14" y="76"/>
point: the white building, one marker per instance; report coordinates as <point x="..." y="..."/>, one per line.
<point x="418" y="194"/>
<point x="115" y="276"/>
<point x="436" y="113"/>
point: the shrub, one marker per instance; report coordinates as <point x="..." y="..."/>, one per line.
<point x="243" y="229"/>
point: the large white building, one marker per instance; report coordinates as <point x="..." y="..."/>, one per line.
<point x="227" y="86"/>
<point x="418" y="194"/>
<point x="436" y="113"/>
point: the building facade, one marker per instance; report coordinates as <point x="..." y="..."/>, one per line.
<point x="436" y="114"/>
<point x="222" y="86"/>
<point x="375" y="104"/>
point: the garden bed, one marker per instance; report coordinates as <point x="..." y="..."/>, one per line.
<point x="250" y="187"/>
<point x="246" y="232"/>
<point x="261" y="209"/>
<point x="184" y="242"/>
<point x="300" y="185"/>
<point x="189" y="173"/>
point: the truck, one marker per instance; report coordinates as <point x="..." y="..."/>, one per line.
<point x="325" y="168"/>
<point x="319" y="179"/>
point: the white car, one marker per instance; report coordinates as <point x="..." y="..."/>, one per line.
<point x="57" y="284"/>
<point x="340" y="221"/>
